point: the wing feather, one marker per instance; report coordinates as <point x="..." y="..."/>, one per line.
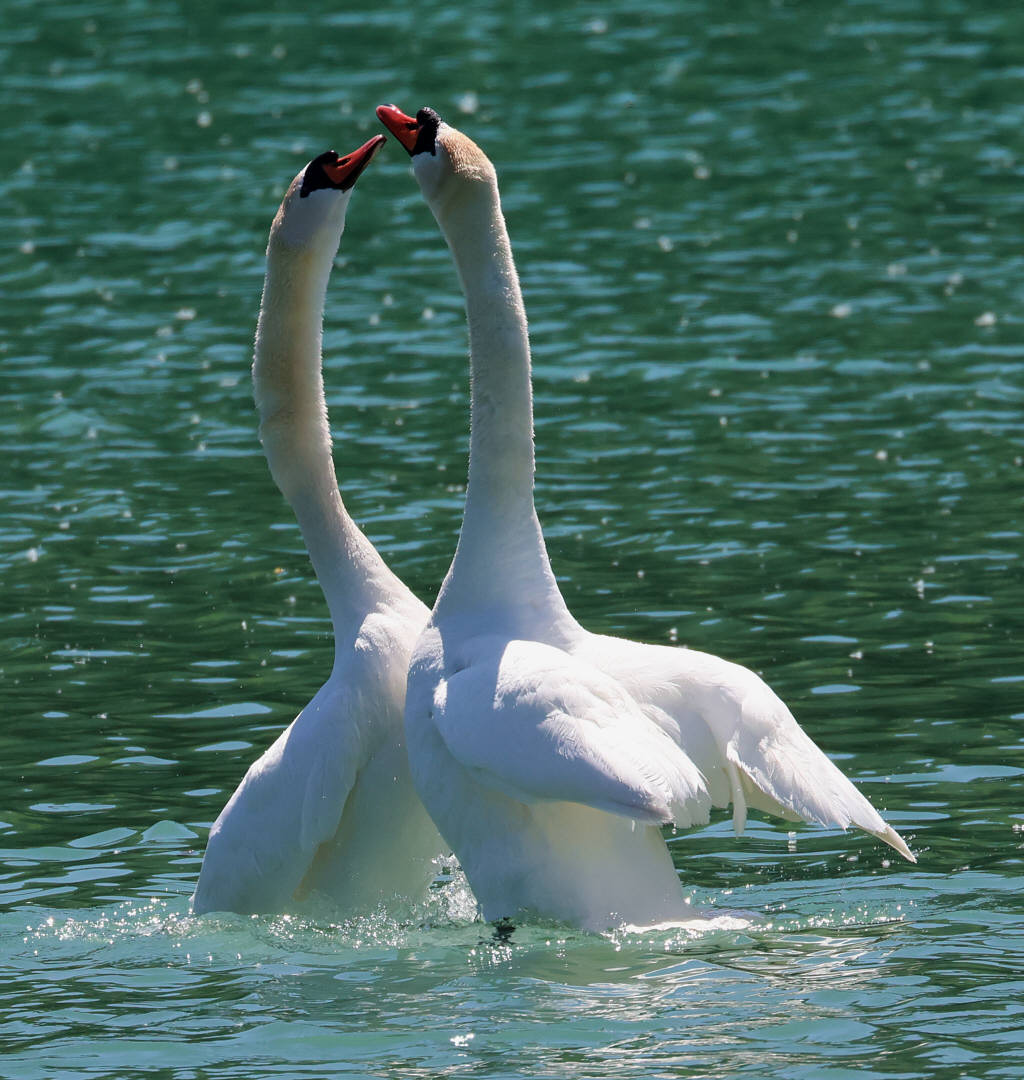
<point x="287" y="806"/>
<point x="537" y="724"/>
<point x="740" y="734"/>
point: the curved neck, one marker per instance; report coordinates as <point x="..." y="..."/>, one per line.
<point x="501" y="560"/>
<point x="289" y="392"/>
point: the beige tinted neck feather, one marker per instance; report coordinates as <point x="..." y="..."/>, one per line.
<point x="468" y="160"/>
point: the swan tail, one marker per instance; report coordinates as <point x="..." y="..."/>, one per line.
<point x="782" y="771"/>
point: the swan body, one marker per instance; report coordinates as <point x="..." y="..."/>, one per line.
<point x="330" y="807"/>
<point x="550" y="757"/>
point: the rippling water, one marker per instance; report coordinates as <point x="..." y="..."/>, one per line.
<point x="772" y="258"/>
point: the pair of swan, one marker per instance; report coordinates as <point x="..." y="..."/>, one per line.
<point x="548" y="757"/>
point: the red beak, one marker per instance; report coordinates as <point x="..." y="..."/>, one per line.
<point x="404" y="128"/>
<point x="345" y="171"/>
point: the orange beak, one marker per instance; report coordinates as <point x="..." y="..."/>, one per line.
<point x="345" y="171"/>
<point x="404" y="128"/>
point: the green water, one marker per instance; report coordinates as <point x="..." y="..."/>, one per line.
<point x="772" y="258"/>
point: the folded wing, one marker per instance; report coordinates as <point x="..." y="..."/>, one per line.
<point x="740" y="734"/>
<point x="537" y="724"/>
<point x="287" y="807"/>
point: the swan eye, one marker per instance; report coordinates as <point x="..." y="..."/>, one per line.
<point x="417" y="136"/>
<point x="316" y="177"/>
<point x="427" y="123"/>
<point x="331" y="170"/>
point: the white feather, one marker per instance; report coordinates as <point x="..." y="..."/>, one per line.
<point x="548" y="755"/>
<point x="330" y="807"/>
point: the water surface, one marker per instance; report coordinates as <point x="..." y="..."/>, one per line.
<point x="772" y="260"/>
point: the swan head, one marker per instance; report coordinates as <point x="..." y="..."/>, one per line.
<point x="315" y="203"/>
<point x="445" y="162"/>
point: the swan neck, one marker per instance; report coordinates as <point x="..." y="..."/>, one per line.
<point x="501" y="554"/>
<point x="501" y="406"/>
<point x="295" y="433"/>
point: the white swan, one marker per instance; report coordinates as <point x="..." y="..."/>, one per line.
<point x="548" y="756"/>
<point x="330" y="807"/>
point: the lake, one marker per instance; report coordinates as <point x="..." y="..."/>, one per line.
<point x="773" y="258"/>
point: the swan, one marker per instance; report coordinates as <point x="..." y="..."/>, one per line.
<point x="330" y="807"/>
<point x="548" y="756"/>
